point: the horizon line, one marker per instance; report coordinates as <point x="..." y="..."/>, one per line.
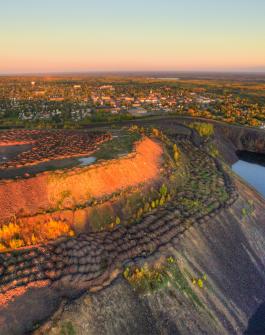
<point x="40" y="73"/>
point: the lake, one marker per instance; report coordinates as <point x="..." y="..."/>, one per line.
<point x="252" y="172"/>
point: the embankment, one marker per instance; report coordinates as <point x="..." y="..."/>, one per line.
<point x="66" y="189"/>
<point x="235" y="138"/>
<point x="232" y="138"/>
<point x="229" y="249"/>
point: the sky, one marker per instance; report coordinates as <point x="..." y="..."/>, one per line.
<point x="131" y="35"/>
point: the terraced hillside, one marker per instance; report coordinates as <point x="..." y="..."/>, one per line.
<point x="92" y="260"/>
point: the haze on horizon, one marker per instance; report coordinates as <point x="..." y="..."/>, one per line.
<point x="139" y="35"/>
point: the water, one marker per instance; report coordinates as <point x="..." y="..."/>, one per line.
<point x="252" y="169"/>
<point x="87" y="160"/>
<point x="253" y="173"/>
<point x="256" y="324"/>
<point x="10" y="152"/>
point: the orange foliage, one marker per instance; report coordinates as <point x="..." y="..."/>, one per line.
<point x="19" y="234"/>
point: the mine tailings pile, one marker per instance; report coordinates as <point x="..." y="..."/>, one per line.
<point x="65" y="189"/>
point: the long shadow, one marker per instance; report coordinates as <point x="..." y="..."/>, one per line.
<point x="256" y="324"/>
<point x="251" y="157"/>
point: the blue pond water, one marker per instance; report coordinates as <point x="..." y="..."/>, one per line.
<point x="87" y="160"/>
<point x="253" y="173"/>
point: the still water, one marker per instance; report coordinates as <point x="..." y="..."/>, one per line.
<point x="253" y="173"/>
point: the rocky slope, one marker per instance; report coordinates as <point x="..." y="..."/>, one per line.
<point x="214" y="228"/>
<point x="229" y="249"/>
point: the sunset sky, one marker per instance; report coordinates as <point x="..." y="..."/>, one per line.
<point x="110" y="35"/>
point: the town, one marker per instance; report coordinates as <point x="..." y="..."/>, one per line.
<point x="70" y="102"/>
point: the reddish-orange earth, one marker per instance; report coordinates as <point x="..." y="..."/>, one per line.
<point x="5" y="298"/>
<point x="11" y="143"/>
<point x="66" y="189"/>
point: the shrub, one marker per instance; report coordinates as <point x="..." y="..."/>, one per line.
<point x="214" y="152"/>
<point x="155" y="132"/>
<point x="199" y="281"/>
<point x="67" y="329"/>
<point x="176" y="152"/>
<point x="2" y="247"/>
<point x="204" y="129"/>
<point x="146" y="207"/>
<point x="146" y="279"/>
<point x="139" y="213"/>
<point x="54" y="229"/>
<point x="163" y="190"/>
<point x="16" y="243"/>
<point x="117" y="221"/>
<point x="176" y="156"/>
<point x="9" y="231"/>
<point x="134" y="128"/>
<point x="162" y="201"/>
<point x="18" y="234"/>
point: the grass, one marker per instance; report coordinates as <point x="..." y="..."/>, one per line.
<point x="64" y="195"/>
<point x="213" y="151"/>
<point x="150" y="279"/>
<point x="121" y="145"/>
<point x="249" y="210"/>
<point x="67" y="329"/>
<point x="223" y="195"/>
<point x="204" y="129"/>
<point x="131" y="206"/>
<point x="191" y="204"/>
<point x="146" y="279"/>
<point x="101" y="217"/>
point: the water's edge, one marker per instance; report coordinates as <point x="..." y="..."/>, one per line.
<point x="251" y="171"/>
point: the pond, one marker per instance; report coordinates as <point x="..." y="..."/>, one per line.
<point x="87" y="160"/>
<point x="251" y="167"/>
<point x="10" y="152"/>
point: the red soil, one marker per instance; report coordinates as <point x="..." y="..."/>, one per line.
<point x="10" y="143"/>
<point x="60" y="189"/>
<point x="10" y="295"/>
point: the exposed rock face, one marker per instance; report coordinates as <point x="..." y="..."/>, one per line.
<point x="245" y="138"/>
<point x="232" y="138"/>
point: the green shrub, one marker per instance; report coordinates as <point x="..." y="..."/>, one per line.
<point x="163" y="190"/>
<point x="204" y="129"/>
<point x="67" y="329"/>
